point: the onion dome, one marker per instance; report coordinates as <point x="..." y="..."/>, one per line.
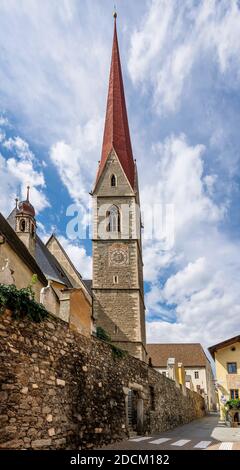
<point x="25" y="207"/>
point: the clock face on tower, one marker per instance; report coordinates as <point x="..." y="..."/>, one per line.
<point x="118" y="255"/>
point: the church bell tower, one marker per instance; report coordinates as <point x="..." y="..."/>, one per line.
<point x="25" y="223"/>
<point x="118" y="295"/>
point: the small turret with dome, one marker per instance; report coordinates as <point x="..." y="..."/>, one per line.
<point x="26" y="223"/>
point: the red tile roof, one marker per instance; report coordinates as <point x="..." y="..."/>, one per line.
<point x="223" y="344"/>
<point x="116" y="132"/>
<point x="190" y="354"/>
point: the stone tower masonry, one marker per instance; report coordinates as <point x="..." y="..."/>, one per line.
<point x="25" y="224"/>
<point x="118" y="295"/>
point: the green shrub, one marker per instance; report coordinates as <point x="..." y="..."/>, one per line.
<point x="102" y="334"/>
<point x="117" y="352"/>
<point x="234" y="403"/>
<point x="21" y="302"/>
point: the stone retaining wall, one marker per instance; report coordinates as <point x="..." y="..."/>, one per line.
<point x="59" y="389"/>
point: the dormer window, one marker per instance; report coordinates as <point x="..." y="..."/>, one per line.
<point x="113" y="181"/>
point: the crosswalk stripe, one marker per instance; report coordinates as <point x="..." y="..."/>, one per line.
<point x="160" y="441"/>
<point x="202" y="444"/>
<point x="139" y="439"/>
<point x="226" y="446"/>
<point x="180" y="443"/>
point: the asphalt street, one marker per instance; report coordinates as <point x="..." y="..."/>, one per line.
<point x="206" y="433"/>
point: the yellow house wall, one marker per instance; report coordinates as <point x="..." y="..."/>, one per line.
<point x="222" y="357"/>
<point x="80" y="313"/>
<point x="22" y="274"/>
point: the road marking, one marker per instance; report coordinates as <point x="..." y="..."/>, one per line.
<point x="202" y="444"/>
<point x="160" y="441"/>
<point x="180" y="443"/>
<point x="226" y="446"/>
<point x="139" y="439"/>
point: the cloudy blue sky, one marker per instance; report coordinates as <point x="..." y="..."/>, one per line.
<point x="181" y="65"/>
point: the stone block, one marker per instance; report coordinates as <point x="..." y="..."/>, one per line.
<point x="98" y="430"/>
<point x="9" y="387"/>
<point x="3" y="396"/>
<point x="51" y="432"/>
<point x="39" y="443"/>
<point x="3" y="334"/>
<point x="46" y="409"/>
<point x="60" y="442"/>
<point x="61" y="382"/>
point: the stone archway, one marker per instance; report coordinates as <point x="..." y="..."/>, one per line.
<point x="134" y="405"/>
<point x="236" y="417"/>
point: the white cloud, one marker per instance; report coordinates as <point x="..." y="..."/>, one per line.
<point x="194" y="293"/>
<point x="55" y="60"/>
<point x="54" y="81"/>
<point x="179" y="180"/>
<point x="18" y="170"/>
<point x="20" y="147"/>
<point x="15" y="177"/>
<point x="186" y="282"/>
<point x="174" y="36"/>
<point x="4" y="122"/>
<point x="76" y="161"/>
<point x="207" y="300"/>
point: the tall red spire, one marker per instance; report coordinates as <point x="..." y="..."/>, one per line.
<point x="116" y="132"/>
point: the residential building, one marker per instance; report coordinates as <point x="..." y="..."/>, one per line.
<point x="227" y="360"/>
<point x="199" y="375"/>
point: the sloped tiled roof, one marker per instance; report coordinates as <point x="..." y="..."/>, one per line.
<point x="53" y="237"/>
<point x="45" y="260"/>
<point x="11" y="218"/>
<point x="88" y="285"/>
<point x="190" y="354"/>
<point x="223" y="344"/>
<point x="49" y="264"/>
<point x="116" y="132"/>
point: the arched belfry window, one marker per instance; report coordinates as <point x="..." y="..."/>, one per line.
<point x="32" y="230"/>
<point x="113" y="219"/>
<point x="22" y="225"/>
<point x="113" y="180"/>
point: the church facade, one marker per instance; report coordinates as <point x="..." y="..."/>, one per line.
<point x="118" y="294"/>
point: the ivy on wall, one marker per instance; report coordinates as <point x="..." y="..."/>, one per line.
<point x="104" y="336"/>
<point x="21" y="302"/>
